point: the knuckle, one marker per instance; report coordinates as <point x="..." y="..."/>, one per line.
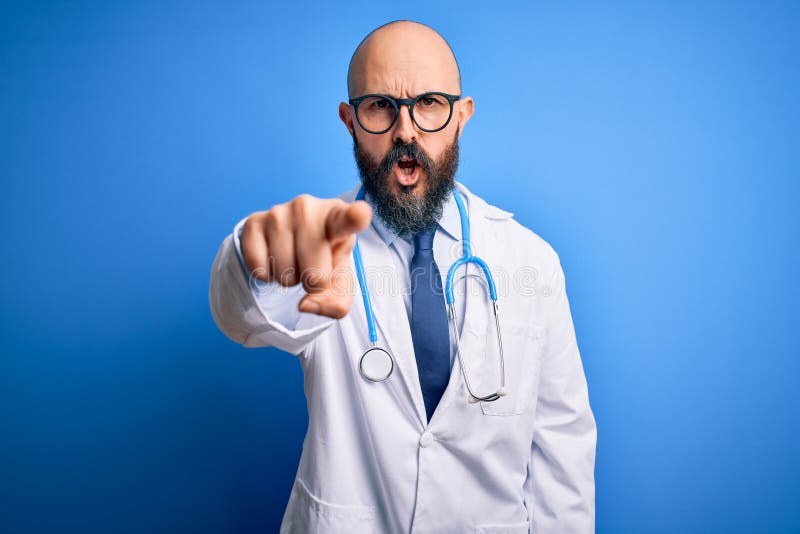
<point x="275" y="218"/>
<point x="305" y="210"/>
<point x="302" y="205"/>
<point x="338" y="204"/>
<point x="252" y="222"/>
<point x="303" y="198"/>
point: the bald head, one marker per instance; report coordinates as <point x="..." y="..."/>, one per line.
<point x="403" y="57"/>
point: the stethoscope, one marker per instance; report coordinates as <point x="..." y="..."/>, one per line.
<point x="376" y="364"/>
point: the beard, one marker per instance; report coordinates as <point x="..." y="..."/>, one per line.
<point x="407" y="213"/>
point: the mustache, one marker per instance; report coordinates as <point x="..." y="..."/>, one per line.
<point x="410" y="150"/>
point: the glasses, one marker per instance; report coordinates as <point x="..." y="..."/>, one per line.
<point x="431" y="112"/>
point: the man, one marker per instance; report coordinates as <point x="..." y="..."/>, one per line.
<point x="416" y="450"/>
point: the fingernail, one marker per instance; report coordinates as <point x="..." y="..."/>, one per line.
<point x="310" y="306"/>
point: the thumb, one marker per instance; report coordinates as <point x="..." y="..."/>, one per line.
<point x="329" y="305"/>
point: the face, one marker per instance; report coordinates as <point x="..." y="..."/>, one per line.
<point x="404" y="60"/>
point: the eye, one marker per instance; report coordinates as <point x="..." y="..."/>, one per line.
<point x="428" y="101"/>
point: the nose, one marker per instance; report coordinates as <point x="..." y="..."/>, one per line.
<point x="404" y="129"/>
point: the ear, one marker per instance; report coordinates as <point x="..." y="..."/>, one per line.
<point x="346" y="116"/>
<point x="466" y="107"/>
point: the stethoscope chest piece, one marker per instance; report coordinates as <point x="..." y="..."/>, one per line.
<point x="376" y="364"/>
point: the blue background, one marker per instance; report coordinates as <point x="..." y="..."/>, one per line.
<point x="655" y="147"/>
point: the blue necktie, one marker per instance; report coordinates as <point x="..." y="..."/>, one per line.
<point x="429" y="322"/>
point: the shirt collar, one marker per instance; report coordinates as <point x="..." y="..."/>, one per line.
<point x="450" y="221"/>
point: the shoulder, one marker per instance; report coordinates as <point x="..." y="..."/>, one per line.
<point x="506" y="231"/>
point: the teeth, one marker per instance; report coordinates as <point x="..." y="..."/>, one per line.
<point x="407" y="170"/>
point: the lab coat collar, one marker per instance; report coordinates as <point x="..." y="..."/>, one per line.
<point x="450" y="221"/>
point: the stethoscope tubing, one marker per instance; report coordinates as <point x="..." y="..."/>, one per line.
<point x="465" y="259"/>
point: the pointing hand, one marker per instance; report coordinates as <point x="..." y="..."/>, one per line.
<point x="308" y="241"/>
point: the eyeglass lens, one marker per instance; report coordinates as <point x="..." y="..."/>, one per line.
<point x="377" y="113"/>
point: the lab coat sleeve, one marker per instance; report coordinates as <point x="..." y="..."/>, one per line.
<point x="560" y="487"/>
<point x="257" y="314"/>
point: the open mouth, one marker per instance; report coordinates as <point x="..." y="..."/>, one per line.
<point x="407" y="166"/>
<point x="407" y="171"/>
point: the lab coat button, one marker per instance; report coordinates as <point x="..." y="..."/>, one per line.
<point x="426" y="439"/>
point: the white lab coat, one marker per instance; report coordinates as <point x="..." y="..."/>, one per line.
<point x="371" y="462"/>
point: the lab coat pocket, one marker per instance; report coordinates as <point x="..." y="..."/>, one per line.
<point x="522" y="350"/>
<point x="506" y="528"/>
<point x="306" y="513"/>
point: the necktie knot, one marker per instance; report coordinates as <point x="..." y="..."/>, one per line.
<point x="424" y="240"/>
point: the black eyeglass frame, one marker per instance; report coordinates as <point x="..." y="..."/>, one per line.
<point x="410" y="102"/>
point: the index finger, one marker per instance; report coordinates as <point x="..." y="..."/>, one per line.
<point x="347" y="219"/>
